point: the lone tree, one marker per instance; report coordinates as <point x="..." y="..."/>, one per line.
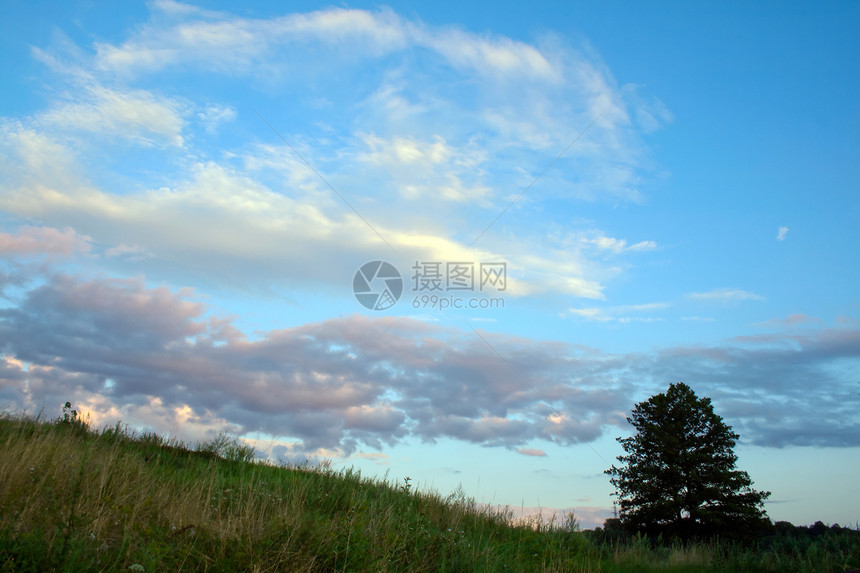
<point x="679" y="476"/>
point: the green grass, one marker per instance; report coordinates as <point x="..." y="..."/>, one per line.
<point x="73" y="499"/>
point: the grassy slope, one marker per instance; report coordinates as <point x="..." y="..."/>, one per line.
<point x="76" y="500"/>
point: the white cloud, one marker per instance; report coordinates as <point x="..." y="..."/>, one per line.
<point x="494" y="56"/>
<point x="621" y="314"/>
<point x="725" y="295"/>
<point x="231" y="44"/>
<point x="31" y="157"/>
<point x="428" y="170"/>
<point x="550" y="93"/>
<point x="136" y="115"/>
<point x="215" y="114"/>
<point x="433" y="163"/>
<point x="407" y="151"/>
<point x="129" y="252"/>
<point x="221" y="217"/>
<point x="592" y="313"/>
<point x="620" y="245"/>
<point x="781" y="233"/>
<point x="650" y="113"/>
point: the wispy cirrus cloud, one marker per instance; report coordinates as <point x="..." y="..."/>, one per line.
<point x="621" y="313"/>
<point x="224" y="213"/>
<point x="725" y="295"/>
<point x="127" y="114"/>
<point x="377" y="457"/>
<point x="230" y="44"/>
<point x="790" y="321"/>
<point x="416" y="163"/>
<point x="129" y="252"/>
<point x="213" y="114"/>
<point x="429" y="169"/>
<point x="564" y="88"/>
<point x="620" y="245"/>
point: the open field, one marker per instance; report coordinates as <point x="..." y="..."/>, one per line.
<point x="74" y="499"/>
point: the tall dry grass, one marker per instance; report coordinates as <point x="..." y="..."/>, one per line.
<point x="73" y="499"/>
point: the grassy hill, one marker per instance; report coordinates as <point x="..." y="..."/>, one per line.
<point x="74" y="499"/>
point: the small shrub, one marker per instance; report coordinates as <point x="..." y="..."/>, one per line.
<point x="72" y="420"/>
<point x="228" y="448"/>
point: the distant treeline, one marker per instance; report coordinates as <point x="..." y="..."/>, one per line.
<point x="768" y="531"/>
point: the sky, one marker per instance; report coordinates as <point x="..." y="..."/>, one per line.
<point x="454" y="242"/>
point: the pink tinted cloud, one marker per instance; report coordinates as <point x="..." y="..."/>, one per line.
<point x="44" y="241"/>
<point x="531" y="452"/>
<point x="356" y="380"/>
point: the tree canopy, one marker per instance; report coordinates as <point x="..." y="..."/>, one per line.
<point x="679" y="473"/>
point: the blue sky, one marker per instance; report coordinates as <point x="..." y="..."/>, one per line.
<point x="188" y="190"/>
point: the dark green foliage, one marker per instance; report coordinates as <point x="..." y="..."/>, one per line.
<point x="678" y="476"/>
<point x="228" y="448"/>
<point x="71" y="420"/>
